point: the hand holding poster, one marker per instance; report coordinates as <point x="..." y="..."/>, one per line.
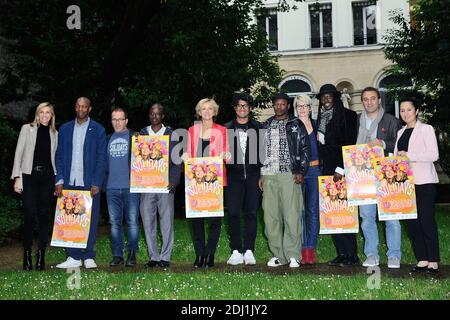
<point x="72" y="219"/>
<point x="204" y="187"/>
<point x="359" y="173"/>
<point x="336" y="216"/>
<point x="395" y="189"/>
<point x="149" y="172"/>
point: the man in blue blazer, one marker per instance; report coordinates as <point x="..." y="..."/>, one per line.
<point x="80" y="165"/>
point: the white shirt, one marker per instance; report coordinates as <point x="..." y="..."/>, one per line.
<point x="153" y="133"/>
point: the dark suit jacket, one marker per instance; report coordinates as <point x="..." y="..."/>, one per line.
<point x="94" y="156"/>
<point x="240" y="164"/>
<point x="342" y="130"/>
<point x="387" y="131"/>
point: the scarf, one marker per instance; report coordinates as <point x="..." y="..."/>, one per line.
<point x="325" y="118"/>
<point x="364" y="134"/>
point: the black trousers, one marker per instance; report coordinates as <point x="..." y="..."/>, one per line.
<point x="200" y="245"/>
<point x="242" y="194"/>
<point x="38" y="188"/>
<point x="345" y="244"/>
<point x="423" y="230"/>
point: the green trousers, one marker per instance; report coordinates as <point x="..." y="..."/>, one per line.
<point x="282" y="205"/>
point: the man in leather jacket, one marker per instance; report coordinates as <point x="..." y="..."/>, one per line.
<point x="285" y="162"/>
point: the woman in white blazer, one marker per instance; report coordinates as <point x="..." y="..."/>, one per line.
<point x="418" y="142"/>
<point x="34" y="178"/>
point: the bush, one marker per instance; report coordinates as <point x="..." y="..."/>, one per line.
<point x="11" y="218"/>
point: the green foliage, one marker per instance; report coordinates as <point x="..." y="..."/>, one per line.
<point x="182" y="281"/>
<point x="50" y="62"/>
<point x="10" y="217"/>
<point x="7" y="147"/>
<point x="420" y="48"/>
<point x="179" y="52"/>
<point x="198" y="49"/>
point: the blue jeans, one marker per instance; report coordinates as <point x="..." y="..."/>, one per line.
<point x="123" y="203"/>
<point x="368" y="214"/>
<point x="310" y="214"/>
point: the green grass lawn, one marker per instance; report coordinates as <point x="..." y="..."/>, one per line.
<point x="181" y="281"/>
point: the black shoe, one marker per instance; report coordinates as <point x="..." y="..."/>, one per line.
<point x="337" y="261"/>
<point x="199" y="261"/>
<point x="131" y="260"/>
<point x="209" y="262"/>
<point x="417" y="269"/>
<point x="350" y="261"/>
<point x="432" y="270"/>
<point x="116" y="261"/>
<point x="164" y="264"/>
<point x="40" y="260"/>
<point x="27" y="262"/>
<point x="151" y="264"/>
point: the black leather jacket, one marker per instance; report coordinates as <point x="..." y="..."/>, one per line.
<point x="298" y="143"/>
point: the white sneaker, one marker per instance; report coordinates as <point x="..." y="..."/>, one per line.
<point x="236" y="258"/>
<point x="293" y="263"/>
<point x="371" y="261"/>
<point x="249" y="258"/>
<point x="274" y="262"/>
<point x="90" y="264"/>
<point x="69" y="263"/>
<point x="393" y="263"/>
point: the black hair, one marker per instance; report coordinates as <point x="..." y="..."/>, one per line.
<point x="242" y="96"/>
<point x="414" y="101"/>
<point x="367" y="89"/>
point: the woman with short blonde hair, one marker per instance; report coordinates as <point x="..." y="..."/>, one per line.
<point x="207" y="139"/>
<point x="310" y="215"/>
<point x="211" y="101"/>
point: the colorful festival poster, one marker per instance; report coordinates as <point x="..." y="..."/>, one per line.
<point x="359" y="173"/>
<point x="395" y="189"/>
<point x="72" y="219"/>
<point x="149" y="172"/>
<point x="204" y="187"/>
<point x="336" y="215"/>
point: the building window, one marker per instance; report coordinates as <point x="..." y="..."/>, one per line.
<point x="268" y="23"/>
<point x="321" y="25"/>
<point x="295" y="85"/>
<point x="364" y="23"/>
<point x="389" y="82"/>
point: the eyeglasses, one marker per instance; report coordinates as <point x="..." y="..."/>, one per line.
<point x="303" y="106"/>
<point x="243" y="106"/>
<point x="117" y="120"/>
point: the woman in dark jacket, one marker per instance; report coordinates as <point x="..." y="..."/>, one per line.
<point x="310" y="216"/>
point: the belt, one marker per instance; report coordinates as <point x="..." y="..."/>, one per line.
<point x="314" y="163"/>
<point x="42" y="168"/>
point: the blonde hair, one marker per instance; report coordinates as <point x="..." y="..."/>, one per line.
<point x="36" y="116"/>
<point x="302" y="98"/>
<point x="200" y="104"/>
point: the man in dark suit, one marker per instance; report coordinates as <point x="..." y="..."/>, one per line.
<point x="378" y="128"/>
<point x="80" y="165"/>
<point x="337" y="127"/>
